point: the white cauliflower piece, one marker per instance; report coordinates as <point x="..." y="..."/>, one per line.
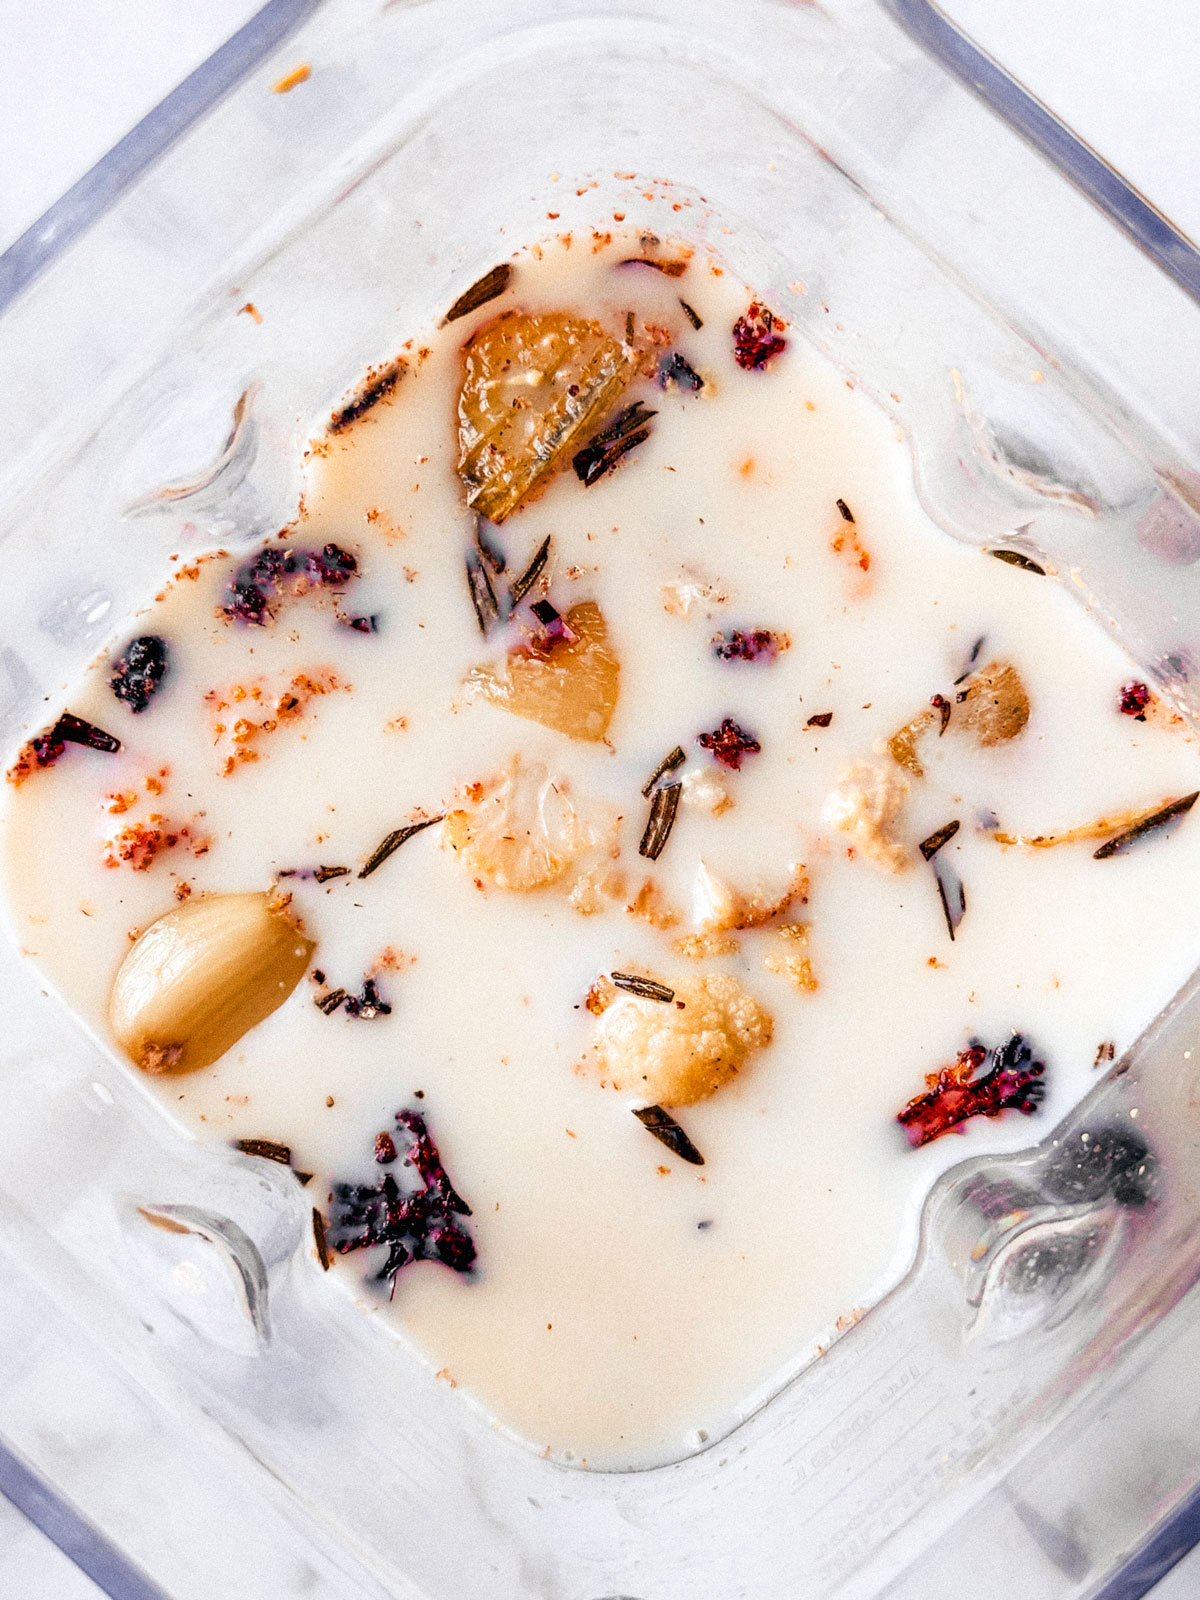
<point x="520" y="830"/>
<point x="705" y="789"/>
<point x="867" y="804"/>
<point x="671" y="1054"/>
<point x="717" y="906"/>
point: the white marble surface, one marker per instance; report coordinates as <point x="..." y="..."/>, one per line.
<point x="78" y="74"/>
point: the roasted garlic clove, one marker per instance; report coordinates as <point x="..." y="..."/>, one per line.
<point x="523" y="831"/>
<point x="532" y="386"/>
<point x="570" y="684"/>
<point x="202" y="976"/>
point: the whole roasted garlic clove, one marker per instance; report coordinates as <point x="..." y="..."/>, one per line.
<point x="202" y="976"/>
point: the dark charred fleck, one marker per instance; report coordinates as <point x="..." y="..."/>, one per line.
<point x="260" y="581"/>
<point x="1013" y="1082"/>
<point x="1122" y="841"/>
<point x="729" y="743"/>
<point x="1105" y="1051"/>
<point x="605" y="449"/>
<point x="644" y="988"/>
<point x="692" y="316"/>
<point x="393" y="842"/>
<point x="329" y="1003"/>
<point x="847" y="514"/>
<point x="667" y="1131"/>
<point x="940" y="836"/>
<point x="369" y="1004"/>
<point x="267" y="1149"/>
<point x="757" y="337"/>
<point x="1016" y="559"/>
<point x="321" y="1241"/>
<point x="483" y="596"/>
<point x="359" y="624"/>
<point x="489" y="287"/>
<point x="953" y="896"/>
<point x="675" y="758"/>
<point x="378" y="387"/>
<point x="821" y="720"/>
<point x="663" y="807"/>
<point x="71" y="729"/>
<point x="139" y="671"/>
<point x="522" y="585"/>
<point x="942" y="706"/>
<point x="675" y="368"/>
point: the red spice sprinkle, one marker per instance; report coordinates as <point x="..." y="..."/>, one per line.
<point x="729" y="743"/>
<point x="956" y="1093"/>
<point x="385" y="1149"/>
<point x="1135" y="697"/>
<point x="755" y="337"/>
<point x="760" y="645"/>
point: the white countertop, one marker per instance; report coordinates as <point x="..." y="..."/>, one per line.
<point x="77" y="75"/>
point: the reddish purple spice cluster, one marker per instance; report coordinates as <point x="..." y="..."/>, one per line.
<point x="729" y="743"/>
<point x="761" y="645"/>
<point x="1135" y="697"/>
<point x="755" y="339"/>
<point x="955" y="1093"/>
<point x="261" y="580"/>
<point x="419" y="1226"/>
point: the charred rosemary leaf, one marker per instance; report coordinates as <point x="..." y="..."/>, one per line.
<point x="847" y="514"/>
<point x="483" y="596"/>
<point x="663" y="807"/>
<point x="266" y="1148"/>
<point x="522" y="585"/>
<point x="1016" y="559"/>
<point x="322" y="1243"/>
<point x="668" y="764"/>
<point x="394" y="840"/>
<point x="667" y="1131"/>
<point x="940" y="836"/>
<point x="489" y="549"/>
<point x="489" y="287"/>
<point x="74" y="730"/>
<point x="1173" y="809"/>
<point x="669" y="269"/>
<point x="691" y="316"/>
<point x="323" y="874"/>
<point x="379" y="385"/>
<point x="329" y="1003"/>
<point x="644" y="988"/>
<point x="601" y="453"/>
<point x="953" y="897"/>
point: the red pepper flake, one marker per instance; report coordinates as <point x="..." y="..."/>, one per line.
<point x="1135" y="697"/>
<point x="761" y="645"/>
<point x="942" y="706"/>
<point x="45" y="750"/>
<point x="755" y="339"/>
<point x="1013" y="1082"/>
<point x="729" y="743"/>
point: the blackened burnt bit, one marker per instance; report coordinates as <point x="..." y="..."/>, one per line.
<point x="379" y="386"/>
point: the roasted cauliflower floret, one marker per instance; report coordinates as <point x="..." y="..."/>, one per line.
<point x="569" y="684"/>
<point x="867" y="804"/>
<point x="675" y="1052"/>
<point x="521" y="832"/>
<point x="790" y="956"/>
<point x="717" y="906"/>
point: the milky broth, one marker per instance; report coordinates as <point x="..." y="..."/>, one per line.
<point x="626" y="1305"/>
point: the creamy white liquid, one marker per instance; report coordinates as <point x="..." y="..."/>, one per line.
<point x="603" y="1322"/>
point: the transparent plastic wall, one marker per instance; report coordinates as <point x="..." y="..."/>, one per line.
<point x="196" y="1392"/>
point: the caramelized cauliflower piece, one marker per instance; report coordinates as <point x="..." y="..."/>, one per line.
<point x="903" y="744"/>
<point x="649" y="905"/>
<point x="532" y="385"/>
<point x="701" y="946"/>
<point x="594" y="889"/>
<point x="717" y="906"/>
<point x="790" y="956"/>
<point x="521" y="830"/>
<point x="866" y="804"/>
<point x="704" y="788"/>
<point x="992" y="704"/>
<point x="674" y="1053"/>
<point x="569" y="684"/>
